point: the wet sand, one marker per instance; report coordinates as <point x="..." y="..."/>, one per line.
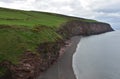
<point x="62" y="69"/>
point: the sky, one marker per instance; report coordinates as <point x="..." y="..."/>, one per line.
<point x="101" y="10"/>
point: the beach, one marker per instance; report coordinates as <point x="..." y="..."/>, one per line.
<point x="62" y="69"/>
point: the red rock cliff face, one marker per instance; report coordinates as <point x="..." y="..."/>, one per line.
<point x="75" y="27"/>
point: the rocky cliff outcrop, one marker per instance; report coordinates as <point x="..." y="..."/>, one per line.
<point x="31" y="64"/>
<point x="76" y="27"/>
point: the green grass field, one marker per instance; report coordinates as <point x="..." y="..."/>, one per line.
<point x="24" y="30"/>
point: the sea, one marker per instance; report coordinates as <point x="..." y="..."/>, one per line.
<point x="98" y="57"/>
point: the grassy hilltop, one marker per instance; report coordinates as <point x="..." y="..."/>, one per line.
<point x="22" y="31"/>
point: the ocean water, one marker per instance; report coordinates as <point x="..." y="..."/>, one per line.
<point x="98" y="57"/>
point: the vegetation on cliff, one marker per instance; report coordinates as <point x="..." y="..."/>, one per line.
<point x="22" y="31"/>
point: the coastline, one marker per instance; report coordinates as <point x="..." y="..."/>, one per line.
<point x="63" y="65"/>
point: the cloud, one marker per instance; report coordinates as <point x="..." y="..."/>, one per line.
<point x="6" y="1"/>
<point x="103" y="10"/>
<point x="111" y="7"/>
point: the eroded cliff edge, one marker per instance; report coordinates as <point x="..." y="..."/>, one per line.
<point x="32" y="65"/>
<point x="75" y="27"/>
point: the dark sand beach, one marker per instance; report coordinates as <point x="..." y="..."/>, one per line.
<point x="62" y="69"/>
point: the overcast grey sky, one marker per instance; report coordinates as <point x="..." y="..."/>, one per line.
<point x="102" y="10"/>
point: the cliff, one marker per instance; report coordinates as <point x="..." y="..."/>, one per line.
<point x="31" y="41"/>
<point x="32" y="65"/>
<point x="77" y="27"/>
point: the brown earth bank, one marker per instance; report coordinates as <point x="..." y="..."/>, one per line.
<point x="32" y="65"/>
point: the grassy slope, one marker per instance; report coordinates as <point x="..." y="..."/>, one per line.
<point x="24" y="30"/>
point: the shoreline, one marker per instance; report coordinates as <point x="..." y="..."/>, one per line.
<point x="63" y="65"/>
